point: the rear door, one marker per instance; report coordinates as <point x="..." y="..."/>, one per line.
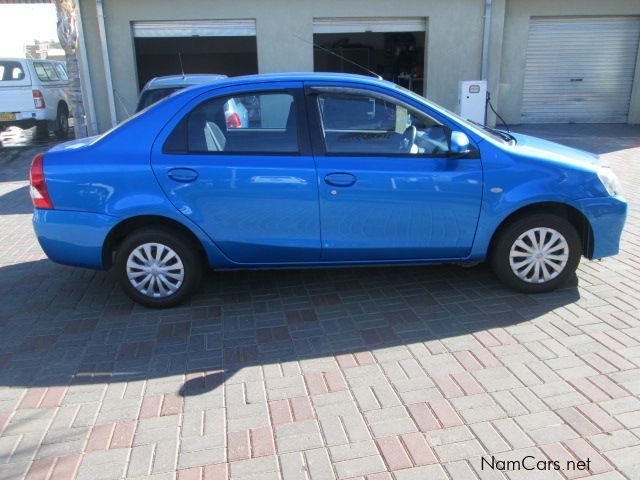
<point x="15" y="89"/>
<point x="251" y="186"/>
<point x="389" y="189"/>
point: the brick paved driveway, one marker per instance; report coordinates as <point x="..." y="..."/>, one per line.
<point x="319" y="374"/>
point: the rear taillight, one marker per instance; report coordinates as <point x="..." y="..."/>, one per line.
<point x="38" y="190"/>
<point x="233" y="121"/>
<point x="38" y="99"/>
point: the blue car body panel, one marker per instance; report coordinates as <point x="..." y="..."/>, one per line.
<point x="280" y="210"/>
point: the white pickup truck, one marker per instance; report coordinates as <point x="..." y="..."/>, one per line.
<point x="34" y="93"/>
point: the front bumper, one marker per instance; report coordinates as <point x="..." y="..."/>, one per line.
<point x="73" y="238"/>
<point x="607" y="216"/>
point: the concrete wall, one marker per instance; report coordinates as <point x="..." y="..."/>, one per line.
<point x="453" y="47"/>
<point x="514" y="46"/>
<point x="454" y="42"/>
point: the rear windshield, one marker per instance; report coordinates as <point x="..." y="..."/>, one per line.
<point x="149" y="97"/>
<point x="10" y="71"/>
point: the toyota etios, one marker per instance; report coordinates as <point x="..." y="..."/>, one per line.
<point x="329" y="170"/>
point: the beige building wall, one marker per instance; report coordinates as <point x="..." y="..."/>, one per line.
<point x="453" y="53"/>
<point x="454" y="38"/>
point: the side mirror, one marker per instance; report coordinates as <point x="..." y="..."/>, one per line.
<point x="460" y="144"/>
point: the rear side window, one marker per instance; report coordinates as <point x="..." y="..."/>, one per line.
<point x="256" y="123"/>
<point x="46" y="72"/>
<point x="11" y="71"/>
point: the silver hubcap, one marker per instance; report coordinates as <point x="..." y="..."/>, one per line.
<point x="539" y="255"/>
<point x="155" y="270"/>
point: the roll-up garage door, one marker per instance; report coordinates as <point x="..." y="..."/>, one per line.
<point x="195" y="28"/>
<point x="580" y="69"/>
<point x="369" y="24"/>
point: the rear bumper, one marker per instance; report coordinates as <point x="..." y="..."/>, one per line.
<point x="26" y="119"/>
<point x="73" y="238"/>
<point x="607" y="216"/>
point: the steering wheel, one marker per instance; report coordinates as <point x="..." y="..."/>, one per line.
<point x="409" y="138"/>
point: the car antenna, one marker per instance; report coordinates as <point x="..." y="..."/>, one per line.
<point x="370" y="72"/>
<point x="181" y="66"/>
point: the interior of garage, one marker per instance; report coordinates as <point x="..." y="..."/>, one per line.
<point x="233" y="55"/>
<point x="396" y="56"/>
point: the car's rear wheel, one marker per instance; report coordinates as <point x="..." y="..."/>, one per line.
<point x="158" y="268"/>
<point x="537" y="253"/>
<point x="42" y="129"/>
<point x="62" y="123"/>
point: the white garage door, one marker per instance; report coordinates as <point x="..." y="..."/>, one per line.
<point x="194" y="28"/>
<point x="580" y="69"/>
<point x="369" y="24"/>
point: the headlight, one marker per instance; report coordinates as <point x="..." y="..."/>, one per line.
<point x="610" y="181"/>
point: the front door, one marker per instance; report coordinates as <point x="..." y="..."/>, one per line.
<point x="388" y="187"/>
<point x="239" y="166"/>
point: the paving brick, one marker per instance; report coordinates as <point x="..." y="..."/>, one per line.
<point x="393" y="452"/>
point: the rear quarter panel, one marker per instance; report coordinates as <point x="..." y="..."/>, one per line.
<point x="113" y="176"/>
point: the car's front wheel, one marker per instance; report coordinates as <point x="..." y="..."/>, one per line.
<point x="158" y="268"/>
<point x="537" y="253"/>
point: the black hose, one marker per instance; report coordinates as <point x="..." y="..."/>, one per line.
<point x="496" y="113"/>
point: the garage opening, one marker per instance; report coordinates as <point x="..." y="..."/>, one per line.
<point x="224" y="47"/>
<point x="394" y="48"/>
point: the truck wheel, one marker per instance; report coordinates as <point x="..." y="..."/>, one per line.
<point x="42" y="129"/>
<point x="62" y="123"/>
<point x="158" y="268"/>
<point x="537" y="253"/>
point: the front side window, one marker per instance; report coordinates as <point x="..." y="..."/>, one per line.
<point x="257" y="123"/>
<point x="356" y="123"/>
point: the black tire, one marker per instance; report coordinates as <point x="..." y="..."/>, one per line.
<point x="61" y="130"/>
<point x="185" y="249"/>
<point x="500" y="254"/>
<point x="42" y="130"/>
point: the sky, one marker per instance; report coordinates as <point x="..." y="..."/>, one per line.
<point x="21" y="24"/>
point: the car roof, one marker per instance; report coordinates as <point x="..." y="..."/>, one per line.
<point x="16" y="59"/>
<point x="183" y="80"/>
<point x="300" y="77"/>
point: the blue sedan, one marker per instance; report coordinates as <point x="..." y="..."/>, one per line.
<point x="329" y="170"/>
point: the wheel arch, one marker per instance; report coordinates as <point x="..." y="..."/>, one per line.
<point x="125" y="227"/>
<point x="563" y="210"/>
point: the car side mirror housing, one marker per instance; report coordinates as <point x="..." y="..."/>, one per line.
<point x="460" y="144"/>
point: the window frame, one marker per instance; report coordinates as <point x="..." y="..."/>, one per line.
<point x="301" y="124"/>
<point x="312" y="93"/>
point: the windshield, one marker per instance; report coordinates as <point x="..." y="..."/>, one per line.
<point x="483" y="130"/>
<point x="149" y="97"/>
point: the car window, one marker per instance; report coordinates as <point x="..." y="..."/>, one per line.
<point x="149" y="97"/>
<point x="258" y="123"/>
<point x="45" y="72"/>
<point x="355" y="123"/>
<point x="11" y="71"/>
<point x="62" y="73"/>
